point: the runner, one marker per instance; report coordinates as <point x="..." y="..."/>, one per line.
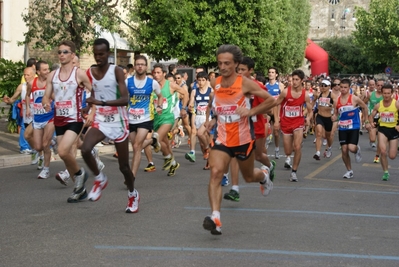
<point x="388" y="127"/>
<point x="234" y="136"/>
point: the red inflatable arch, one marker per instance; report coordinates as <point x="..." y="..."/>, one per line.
<point x="318" y="58"/>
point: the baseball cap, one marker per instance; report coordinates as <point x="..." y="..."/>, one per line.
<point x="326" y="82"/>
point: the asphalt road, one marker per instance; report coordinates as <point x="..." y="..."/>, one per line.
<point x="322" y="220"/>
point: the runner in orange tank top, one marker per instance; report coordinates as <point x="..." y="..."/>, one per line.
<point x="234" y="132"/>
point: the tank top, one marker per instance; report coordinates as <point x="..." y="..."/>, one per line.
<point x="388" y="115"/>
<point x="232" y="129"/>
<point x="201" y="101"/>
<point x="68" y="97"/>
<point x="325" y="101"/>
<point x="26" y="119"/>
<point x="292" y="108"/>
<point x="255" y="101"/>
<point x="141" y="103"/>
<point x="374" y="100"/>
<point x="167" y="104"/>
<point x="273" y="89"/>
<point x="39" y="113"/>
<point x="107" y="89"/>
<point x="349" y="116"/>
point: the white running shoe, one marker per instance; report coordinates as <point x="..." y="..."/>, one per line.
<point x="324" y="142"/>
<point x="287" y="163"/>
<point x="99" y="185"/>
<point x="155" y="142"/>
<point x="373" y="145"/>
<point x="348" y="175"/>
<point x="276" y="154"/>
<point x="44" y="174"/>
<point x="34" y="157"/>
<point x="328" y="153"/>
<point x="133" y="203"/>
<point x="63" y="177"/>
<point x="293" y="177"/>
<point x="358" y="155"/>
<point x="268" y="185"/>
<point x="40" y="163"/>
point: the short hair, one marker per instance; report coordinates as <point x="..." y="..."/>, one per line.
<point x="31" y="62"/>
<point x="161" y="66"/>
<point x="232" y="49"/>
<point x="346" y="81"/>
<point x="101" y="41"/>
<point x="387" y="86"/>
<point x="170" y="75"/>
<point x="71" y="45"/>
<point x="171" y="67"/>
<point x="275" y="70"/>
<point x="39" y="64"/>
<point x="137" y="57"/>
<point x="249" y="62"/>
<point x="130" y="66"/>
<point x="298" y="73"/>
<point x="202" y="74"/>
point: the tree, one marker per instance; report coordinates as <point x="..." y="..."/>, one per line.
<point x="50" y="21"/>
<point x="345" y="57"/>
<point x="377" y="32"/>
<point x="272" y="32"/>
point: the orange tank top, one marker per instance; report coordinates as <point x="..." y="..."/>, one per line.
<point x="232" y="129"/>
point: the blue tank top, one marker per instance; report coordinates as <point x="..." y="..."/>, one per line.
<point x="274" y="89"/>
<point x="141" y="104"/>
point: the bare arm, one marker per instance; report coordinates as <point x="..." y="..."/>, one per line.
<point x="17" y="93"/>
<point x="47" y="93"/>
<point x="373" y="113"/>
<point x="27" y="98"/>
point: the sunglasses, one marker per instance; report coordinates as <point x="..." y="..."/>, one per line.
<point x="324" y="85"/>
<point x="64" y="52"/>
<point x="335" y="84"/>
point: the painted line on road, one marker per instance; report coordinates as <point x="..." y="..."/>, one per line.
<point x="303" y="212"/>
<point x="351" y="181"/>
<point x="375" y="165"/>
<point x="259" y="251"/>
<point x="322" y="167"/>
<point x="328" y="189"/>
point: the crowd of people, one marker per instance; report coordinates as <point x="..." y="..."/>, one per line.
<point x="234" y="115"/>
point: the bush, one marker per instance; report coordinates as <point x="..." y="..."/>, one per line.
<point x="10" y="77"/>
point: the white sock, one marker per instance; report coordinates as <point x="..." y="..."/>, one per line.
<point x="168" y="156"/>
<point x="216" y="214"/>
<point x="235" y="188"/>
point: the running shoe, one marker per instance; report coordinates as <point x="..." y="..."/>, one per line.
<point x="150" y="168"/>
<point x="225" y="180"/>
<point x="267" y="186"/>
<point x="99" y="185"/>
<point x="63" y="177"/>
<point x="348" y="175"/>
<point x="34" y="158"/>
<point x="233" y="195"/>
<point x="206" y="154"/>
<point x="324" y="142"/>
<point x="272" y="169"/>
<point x="293" y="177"/>
<point x="385" y="177"/>
<point x="190" y="156"/>
<point x="212" y="224"/>
<point x="26" y="151"/>
<point x="155" y="142"/>
<point x="316" y="156"/>
<point x="44" y="174"/>
<point x="181" y="132"/>
<point x="170" y="135"/>
<point x="79" y="191"/>
<point x="206" y="166"/>
<point x="305" y="134"/>
<point x="173" y="168"/>
<point x="373" y="145"/>
<point x="167" y="163"/>
<point x="133" y="203"/>
<point x="287" y="163"/>
<point x="358" y="156"/>
<point x="40" y="163"/>
<point x="311" y="132"/>
<point x="376" y="159"/>
<point x="276" y="154"/>
<point x="327" y="153"/>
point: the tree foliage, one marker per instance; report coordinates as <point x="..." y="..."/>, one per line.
<point x="272" y="32"/>
<point x="345" y="57"/>
<point x="50" y="21"/>
<point x="377" y="32"/>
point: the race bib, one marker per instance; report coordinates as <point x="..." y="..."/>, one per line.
<point x="201" y="110"/>
<point x="38" y="109"/>
<point x="227" y="114"/>
<point x="108" y="114"/>
<point x="64" y="108"/>
<point x="345" y="124"/>
<point x="136" y="113"/>
<point x="324" y="102"/>
<point x="164" y="103"/>
<point x="292" y="112"/>
<point x="388" y="117"/>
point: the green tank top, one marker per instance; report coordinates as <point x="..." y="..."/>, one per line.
<point x="167" y="104"/>
<point x="374" y="100"/>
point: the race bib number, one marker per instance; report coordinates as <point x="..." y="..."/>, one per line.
<point x="201" y="110"/>
<point x="136" y="113"/>
<point x="292" y="112"/>
<point x="164" y="103"/>
<point x="388" y="117"/>
<point x="64" y="108"/>
<point x="324" y="102"/>
<point x="227" y="114"/>
<point x="38" y="109"/>
<point x="108" y="114"/>
<point x="346" y="124"/>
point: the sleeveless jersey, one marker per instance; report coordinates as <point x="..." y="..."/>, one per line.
<point x="292" y="108"/>
<point x="374" y="100"/>
<point x="325" y="101"/>
<point x="258" y="119"/>
<point x="388" y="115"/>
<point x="232" y="129"/>
<point x="68" y="97"/>
<point x="106" y="89"/>
<point x="349" y="116"/>
<point x="26" y="119"/>
<point x="167" y="104"/>
<point x="273" y="89"/>
<point x="141" y="103"/>
<point x="39" y="113"/>
<point x="201" y="101"/>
